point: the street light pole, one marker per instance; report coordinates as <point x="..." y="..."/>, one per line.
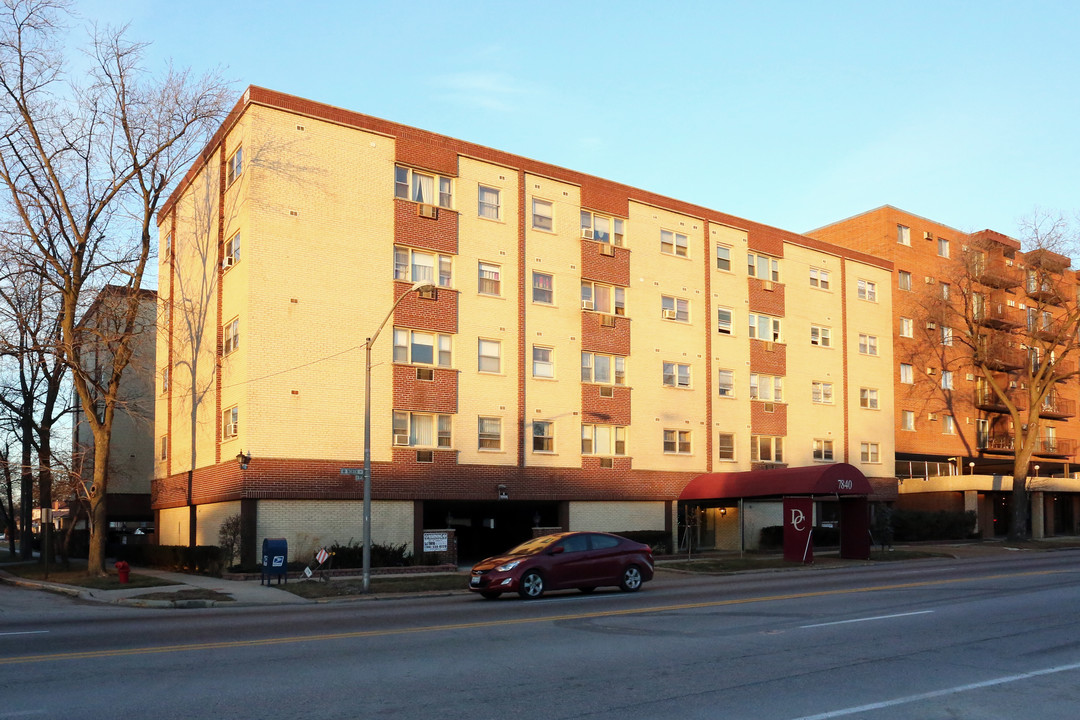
<point x="367" y="428"/>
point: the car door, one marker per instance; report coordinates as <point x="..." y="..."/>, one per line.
<point x="607" y="557"/>
<point x="570" y="565"/>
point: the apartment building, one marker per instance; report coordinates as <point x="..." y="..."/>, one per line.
<point x="953" y="291"/>
<point x="560" y="351"/>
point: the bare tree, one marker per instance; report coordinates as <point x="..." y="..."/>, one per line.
<point x="1011" y="320"/>
<point x="86" y="165"/>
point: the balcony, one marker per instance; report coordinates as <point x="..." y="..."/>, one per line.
<point x="998" y="274"/>
<point x="1042" y="289"/>
<point x="1057" y="408"/>
<point x="1044" y="446"/>
<point x="1052" y="331"/>
<point x="998" y="316"/>
<point x="1060" y="370"/>
<point x="997" y="354"/>
<point x="988" y="400"/>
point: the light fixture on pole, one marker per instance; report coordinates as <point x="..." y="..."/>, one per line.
<point x="418" y="286"/>
<point x="1036" y="471"/>
<point x="971" y="468"/>
<point x="243" y="460"/>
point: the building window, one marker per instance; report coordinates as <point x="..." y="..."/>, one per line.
<point x="942" y="247"/>
<point x="234" y="166"/>
<point x="823" y="450"/>
<point x="870" y="452"/>
<point x="543" y="215"/>
<point x="946" y="335"/>
<point x="602" y="228"/>
<point x="607" y="299"/>
<point x="422" y="430"/>
<point x="946" y="289"/>
<point x="490" y="352"/>
<point x="489" y="433"/>
<point x="948" y="425"/>
<point x="543" y="436"/>
<point x="603" y="440"/>
<point x="819" y="278"/>
<point x="725" y="446"/>
<point x="676" y="375"/>
<point x="422" y="348"/>
<point x="603" y="369"/>
<point x="488" y="203"/>
<point x="723" y="321"/>
<point x="415" y="266"/>
<point x="677" y="441"/>
<point x="231" y="333"/>
<point x="868" y="398"/>
<point x="866" y="290"/>
<point x="543" y="288"/>
<point x="675" y="308"/>
<point x="907" y="327"/>
<point x="766" y="387"/>
<point x="946" y="380"/>
<point x="673" y="243"/>
<point x="821" y="392"/>
<point x="907" y="373"/>
<point x="820" y="336"/>
<point x="543" y="362"/>
<point x="165" y="379"/>
<point x="765" y="327"/>
<point x="867" y="344"/>
<point x="163" y="448"/>
<point x="232" y="250"/>
<point x="726" y="383"/>
<point x="764" y="448"/>
<point x="903" y="235"/>
<point x="420" y="187"/>
<point x="763" y="266"/>
<point x="907" y="420"/>
<point x="488" y="280"/>
<point x="903" y="280"/>
<point x="723" y="258"/>
<point x="230" y="423"/>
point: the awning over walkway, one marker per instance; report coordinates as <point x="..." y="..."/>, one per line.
<point x="835" y="479"/>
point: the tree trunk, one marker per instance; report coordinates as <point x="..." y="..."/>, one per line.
<point x="99" y="525"/>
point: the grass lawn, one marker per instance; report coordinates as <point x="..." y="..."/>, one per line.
<point x="76" y="575"/>
<point x="315" y="589"/>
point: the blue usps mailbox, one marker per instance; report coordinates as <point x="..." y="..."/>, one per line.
<point x="275" y="553"/>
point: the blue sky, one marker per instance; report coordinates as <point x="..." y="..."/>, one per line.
<point x="794" y="114"/>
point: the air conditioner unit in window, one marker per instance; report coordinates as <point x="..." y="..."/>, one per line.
<point x="970" y="376"/>
<point x="607" y="391"/>
<point x="228" y="262"/>
<point x="769" y="346"/>
<point x="607" y="249"/>
<point x="606" y="462"/>
<point x="770" y="407"/>
<point x="587" y="233"/>
<point x="767" y="285"/>
<point x="401" y="439"/>
<point x="607" y="321"/>
<point x="230" y="430"/>
<point x="428" y="293"/>
<point x="423" y="373"/>
<point x="930" y="281"/>
<point x="427" y="211"/>
<point x="932" y="416"/>
<point x="587" y="305"/>
<point x="930" y="371"/>
<point x="425" y="456"/>
<point x="931" y="325"/>
<point x="928" y="235"/>
<point x="670" y="315"/>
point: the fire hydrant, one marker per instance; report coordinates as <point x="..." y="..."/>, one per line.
<point x="123" y="571"/>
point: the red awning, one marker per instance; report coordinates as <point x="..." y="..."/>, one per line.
<point x="835" y="479"/>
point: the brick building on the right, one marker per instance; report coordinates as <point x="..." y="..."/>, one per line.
<point x="952" y="291"/>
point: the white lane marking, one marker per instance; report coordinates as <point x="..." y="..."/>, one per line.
<point x="940" y="693"/>
<point x="879" y="617"/>
<point x="25" y="632"/>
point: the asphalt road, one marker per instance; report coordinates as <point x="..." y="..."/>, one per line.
<point x="980" y="639"/>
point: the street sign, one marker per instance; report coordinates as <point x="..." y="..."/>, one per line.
<point x="359" y="472"/>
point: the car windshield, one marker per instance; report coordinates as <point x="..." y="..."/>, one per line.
<point x="533" y="546"/>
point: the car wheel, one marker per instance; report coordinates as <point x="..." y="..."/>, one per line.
<point x="489" y="595"/>
<point x="531" y="585"/>
<point x="631" y="579"/>
<point x="586" y="590"/>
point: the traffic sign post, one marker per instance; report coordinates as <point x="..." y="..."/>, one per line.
<point x="358" y="472"/>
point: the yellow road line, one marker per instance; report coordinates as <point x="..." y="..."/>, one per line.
<point x="94" y="654"/>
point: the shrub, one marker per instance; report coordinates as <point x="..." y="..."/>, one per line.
<point x="913" y="525"/>
<point x="203" y="559"/>
<point x="658" y="540"/>
<point x="351" y="555"/>
<point x="229" y="539"/>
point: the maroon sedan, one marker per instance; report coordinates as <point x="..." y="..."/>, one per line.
<point x="582" y="560"/>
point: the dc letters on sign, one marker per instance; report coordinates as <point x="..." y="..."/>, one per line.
<point x="798" y="526"/>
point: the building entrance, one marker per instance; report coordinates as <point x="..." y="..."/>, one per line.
<point x="489" y="528"/>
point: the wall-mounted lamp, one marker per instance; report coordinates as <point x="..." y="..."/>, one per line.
<point x="503" y="494"/>
<point x="971" y="467"/>
<point x="723" y="512"/>
<point x="243" y="460"/>
<point x="1036" y="471"/>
